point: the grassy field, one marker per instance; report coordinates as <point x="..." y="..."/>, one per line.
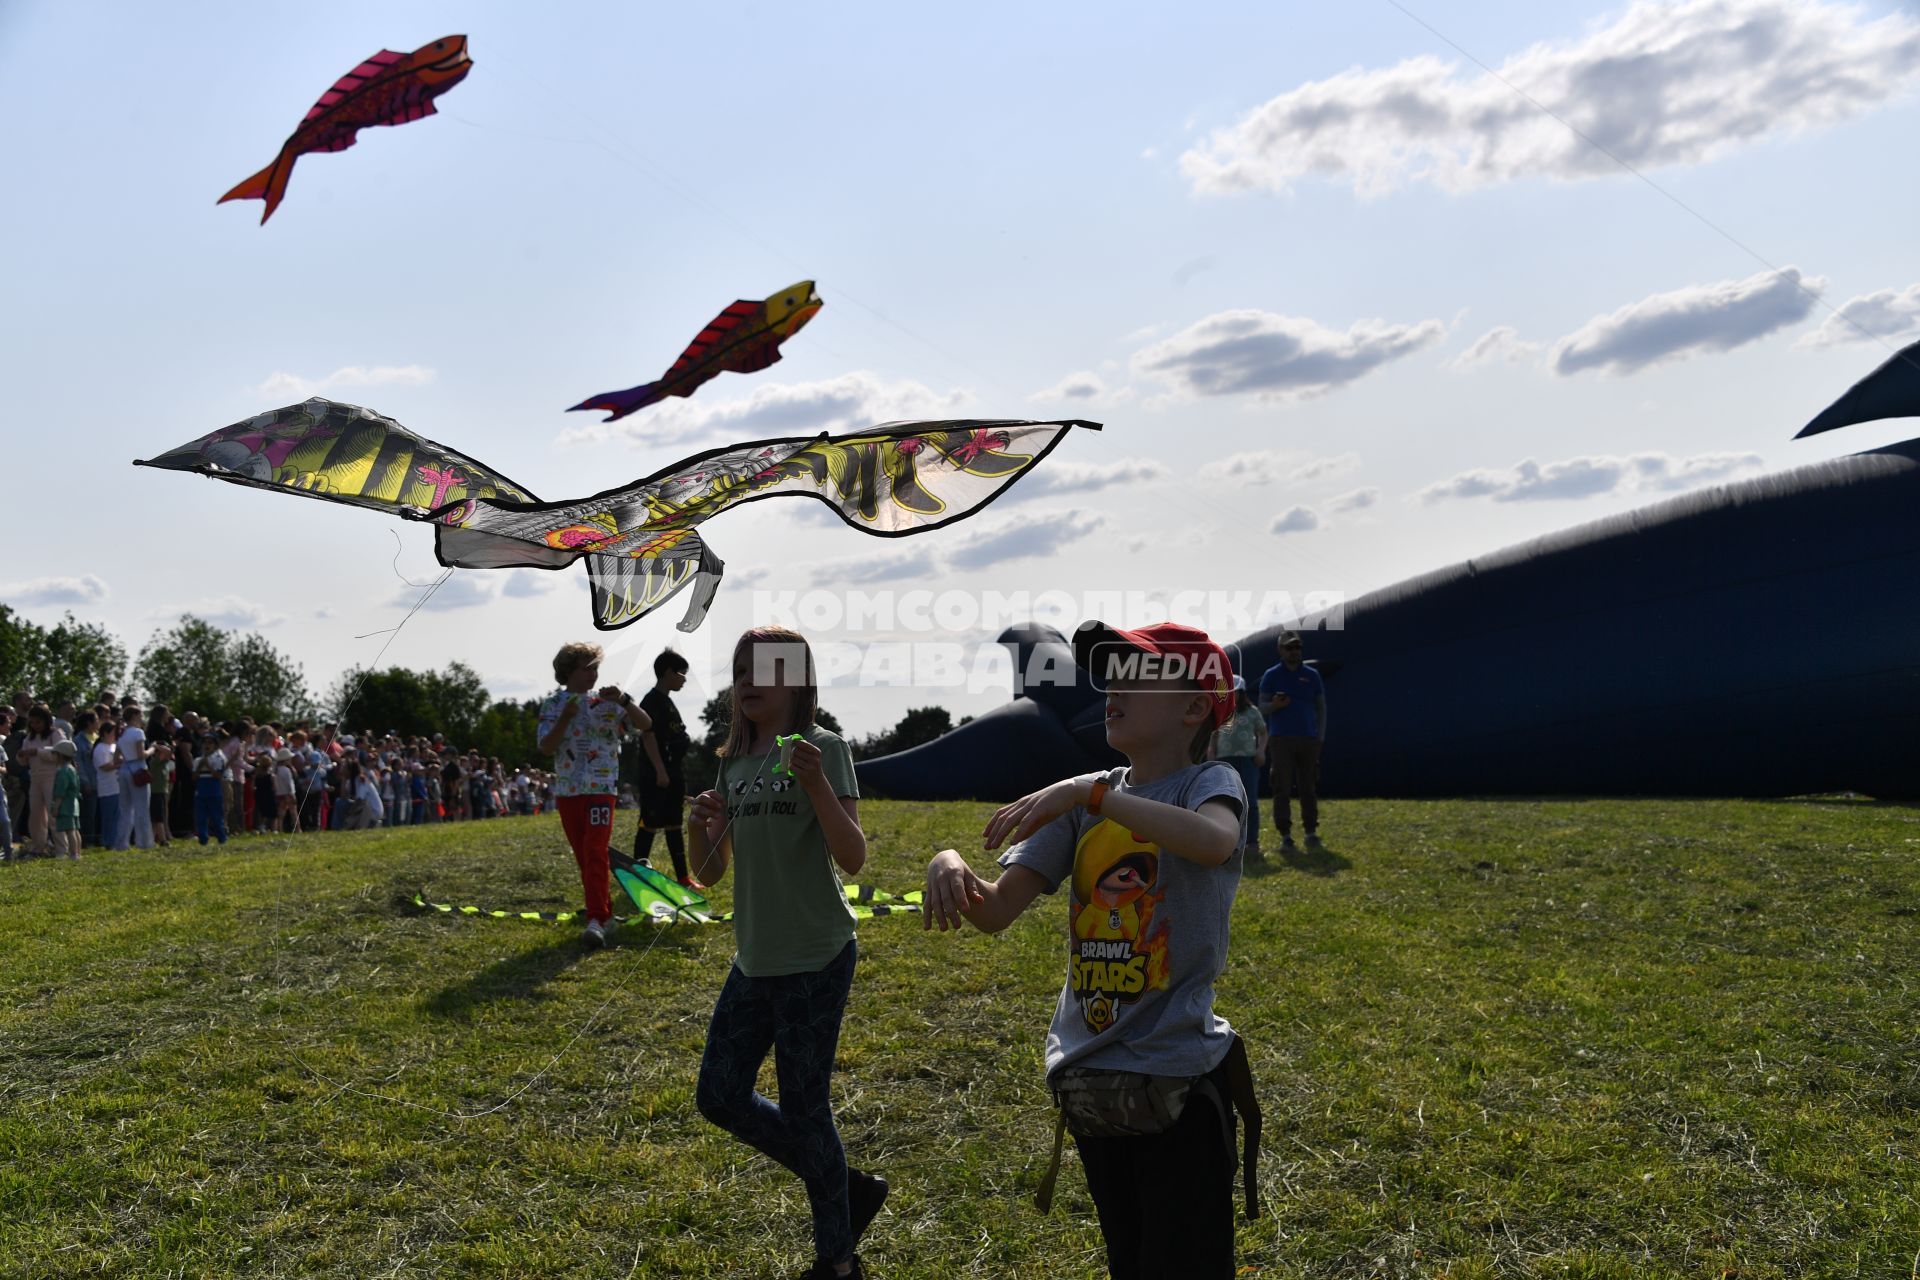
<point x="1619" y="1039"/>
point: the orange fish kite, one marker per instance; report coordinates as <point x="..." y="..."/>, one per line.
<point x="744" y="338"/>
<point x="388" y="88"/>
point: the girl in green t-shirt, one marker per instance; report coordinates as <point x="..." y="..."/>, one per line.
<point x="789" y="831"/>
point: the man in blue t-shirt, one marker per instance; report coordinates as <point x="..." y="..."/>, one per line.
<point x="1295" y="700"/>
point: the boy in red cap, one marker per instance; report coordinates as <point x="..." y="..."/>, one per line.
<point x="1147" y="1076"/>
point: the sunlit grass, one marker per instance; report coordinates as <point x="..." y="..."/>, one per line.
<point x="1620" y="1039"/>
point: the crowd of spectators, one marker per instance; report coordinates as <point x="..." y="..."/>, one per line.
<point x="148" y="776"/>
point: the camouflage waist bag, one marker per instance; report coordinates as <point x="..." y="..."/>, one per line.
<point x="1129" y="1104"/>
<point x="1120" y="1104"/>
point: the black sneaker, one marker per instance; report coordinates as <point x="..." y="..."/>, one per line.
<point x="866" y="1192"/>
<point x="823" y="1270"/>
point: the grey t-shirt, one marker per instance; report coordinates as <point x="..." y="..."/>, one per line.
<point x="1146" y="935"/>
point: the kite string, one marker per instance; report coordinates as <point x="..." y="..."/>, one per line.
<point x="585" y="1028"/>
<point x="1629" y="167"/>
<point x="399" y="548"/>
<point x="598" y="138"/>
<point x="633" y="156"/>
<point x="283" y="839"/>
<point x="1204" y="510"/>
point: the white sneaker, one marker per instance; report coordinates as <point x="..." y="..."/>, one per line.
<point x="596" y="935"/>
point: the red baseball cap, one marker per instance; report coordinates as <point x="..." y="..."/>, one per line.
<point x="1165" y="649"/>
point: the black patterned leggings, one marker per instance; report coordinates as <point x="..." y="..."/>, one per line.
<point x="797" y="1016"/>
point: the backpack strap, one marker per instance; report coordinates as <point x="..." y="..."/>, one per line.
<point x="1247" y="1103"/>
<point x="1043" y="1199"/>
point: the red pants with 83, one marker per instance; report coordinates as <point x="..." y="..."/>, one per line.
<point x="588" y="822"/>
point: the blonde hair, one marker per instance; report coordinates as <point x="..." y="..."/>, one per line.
<point x="574" y="656"/>
<point x="806" y="695"/>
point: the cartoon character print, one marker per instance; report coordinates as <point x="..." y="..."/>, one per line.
<point x="1117" y="951"/>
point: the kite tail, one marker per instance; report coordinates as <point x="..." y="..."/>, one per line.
<point x="622" y="403"/>
<point x="270" y="184"/>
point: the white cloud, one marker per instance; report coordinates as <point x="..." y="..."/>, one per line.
<point x="1295" y="520"/>
<point x="1082" y="386"/>
<point x="750" y="576"/>
<point x="1056" y="478"/>
<point x="1277" y="357"/>
<point x="1885" y="315"/>
<point x="889" y="564"/>
<point x="850" y="401"/>
<point x="1662" y="84"/>
<point x="1186" y="535"/>
<point x="1587" y="477"/>
<point x="517" y="687"/>
<point x="1272" y="466"/>
<point x="1501" y="344"/>
<point x="1354" y="500"/>
<point x="1685" y="322"/>
<point x="85" y="589"/>
<point x="465" y="589"/>
<point x="1324" y="468"/>
<point x="522" y="583"/>
<point x="229" y="613"/>
<point x="295" y="387"/>
<point x="1024" y="537"/>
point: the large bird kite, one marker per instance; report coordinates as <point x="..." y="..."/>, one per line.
<point x="744" y="338"/>
<point x="640" y="542"/>
<point x="388" y="88"/>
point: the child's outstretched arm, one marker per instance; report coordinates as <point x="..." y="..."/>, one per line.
<point x="954" y="893"/>
<point x="1207" y="835"/>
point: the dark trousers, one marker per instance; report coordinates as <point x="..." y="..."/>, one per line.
<point x="676" y="849"/>
<point x="797" y="1017"/>
<point x="661" y="811"/>
<point x="1295" y="765"/>
<point x="1166" y="1201"/>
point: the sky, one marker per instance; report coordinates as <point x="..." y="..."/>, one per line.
<point x="1358" y="292"/>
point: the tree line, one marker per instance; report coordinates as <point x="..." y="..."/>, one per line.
<point x="226" y="676"/>
<point x="229" y="676"/>
<point x="919" y="725"/>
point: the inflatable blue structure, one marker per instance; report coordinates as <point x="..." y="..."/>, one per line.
<point x="1754" y="639"/>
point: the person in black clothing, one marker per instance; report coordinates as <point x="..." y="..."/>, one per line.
<point x="662" y="785"/>
<point x="453" y="787"/>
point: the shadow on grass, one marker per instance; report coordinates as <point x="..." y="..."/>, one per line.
<point x="518" y="977"/>
<point x="1313" y="860"/>
<point x="1837" y="802"/>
